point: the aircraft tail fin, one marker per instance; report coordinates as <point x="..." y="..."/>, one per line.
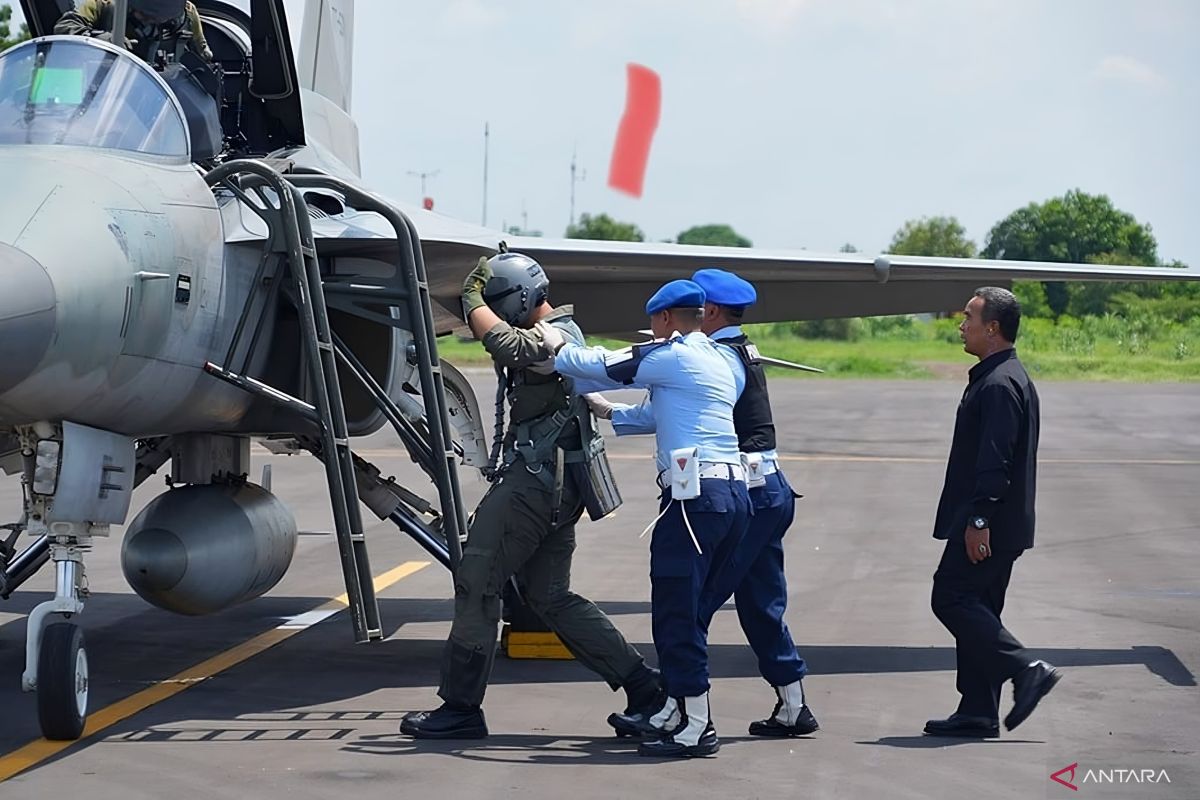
<point x="327" y="50"/>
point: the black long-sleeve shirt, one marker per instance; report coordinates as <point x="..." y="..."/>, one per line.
<point x="992" y="471"/>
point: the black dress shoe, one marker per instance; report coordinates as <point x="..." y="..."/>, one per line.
<point x="963" y="725"/>
<point x="1029" y="686"/>
<point x="667" y="747"/>
<point x="446" y="722"/>
<point x="806" y="723"/>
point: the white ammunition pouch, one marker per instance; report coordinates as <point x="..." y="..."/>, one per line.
<point x="684" y="473"/>
<point x="752" y="463"/>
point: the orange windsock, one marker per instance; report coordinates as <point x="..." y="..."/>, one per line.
<point x="643" y="100"/>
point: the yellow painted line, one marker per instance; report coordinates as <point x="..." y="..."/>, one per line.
<point x="35" y="752"/>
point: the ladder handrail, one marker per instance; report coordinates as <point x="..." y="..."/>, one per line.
<point x="420" y="306"/>
<point x="292" y="221"/>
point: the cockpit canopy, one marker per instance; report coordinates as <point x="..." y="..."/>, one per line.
<point x="258" y="91"/>
<point x="69" y="90"/>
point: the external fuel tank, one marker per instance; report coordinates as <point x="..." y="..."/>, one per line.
<point x="200" y="549"/>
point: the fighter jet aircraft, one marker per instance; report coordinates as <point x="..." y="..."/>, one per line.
<point x="189" y="258"/>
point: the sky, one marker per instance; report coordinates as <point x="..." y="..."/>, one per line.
<point x="801" y="123"/>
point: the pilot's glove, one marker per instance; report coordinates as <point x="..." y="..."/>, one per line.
<point x="552" y="337"/>
<point x="472" y="289"/>
<point x="599" y="406"/>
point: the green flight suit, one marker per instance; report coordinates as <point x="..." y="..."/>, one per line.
<point x="513" y="532"/>
<point x="144" y="39"/>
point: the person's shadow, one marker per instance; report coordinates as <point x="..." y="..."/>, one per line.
<point x="926" y="742"/>
<point x="520" y="748"/>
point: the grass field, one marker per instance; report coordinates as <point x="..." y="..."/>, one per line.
<point x="1093" y="348"/>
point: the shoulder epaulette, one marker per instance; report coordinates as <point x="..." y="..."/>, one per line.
<point x="622" y="365"/>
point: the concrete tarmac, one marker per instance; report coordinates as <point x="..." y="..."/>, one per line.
<point x="1111" y="594"/>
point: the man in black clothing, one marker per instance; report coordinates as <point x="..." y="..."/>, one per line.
<point x="986" y="517"/>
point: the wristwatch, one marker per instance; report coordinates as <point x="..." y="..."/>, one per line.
<point x="979" y="523"/>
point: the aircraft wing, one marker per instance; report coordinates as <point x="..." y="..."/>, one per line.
<point x="609" y="282"/>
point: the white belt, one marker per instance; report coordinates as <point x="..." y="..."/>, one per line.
<point x="707" y="469"/>
<point x="713" y="469"/>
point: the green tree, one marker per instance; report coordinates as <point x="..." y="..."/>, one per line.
<point x="715" y="235"/>
<point x="602" y="226"/>
<point x="932" y="236"/>
<point x="1032" y="297"/>
<point x="847" y="248"/>
<point x="1077" y="227"/>
<point x="7" y="39"/>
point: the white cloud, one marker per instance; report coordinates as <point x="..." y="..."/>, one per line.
<point x="1129" y="71"/>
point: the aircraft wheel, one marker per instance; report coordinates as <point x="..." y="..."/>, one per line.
<point x="62" y="682"/>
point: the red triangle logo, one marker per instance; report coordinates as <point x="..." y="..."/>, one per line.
<point x="682" y="462"/>
<point x="1067" y="782"/>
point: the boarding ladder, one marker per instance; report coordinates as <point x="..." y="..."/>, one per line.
<point x="278" y="199"/>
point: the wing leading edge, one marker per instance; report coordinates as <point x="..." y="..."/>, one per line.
<point x="609" y="282"/>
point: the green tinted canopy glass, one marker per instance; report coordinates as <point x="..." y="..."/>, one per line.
<point x="62" y="86"/>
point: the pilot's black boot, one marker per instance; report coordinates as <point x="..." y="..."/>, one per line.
<point x="791" y="716"/>
<point x="644" y="696"/>
<point x="696" y="737"/>
<point x="464" y="678"/>
<point x="446" y="722"/>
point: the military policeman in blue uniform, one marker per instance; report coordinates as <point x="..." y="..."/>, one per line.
<point x="757" y="578"/>
<point x="705" y="507"/>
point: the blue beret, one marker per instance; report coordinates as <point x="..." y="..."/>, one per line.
<point x="676" y="294"/>
<point x="725" y="288"/>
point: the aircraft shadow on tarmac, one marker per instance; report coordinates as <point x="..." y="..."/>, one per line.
<point x="140" y="630"/>
<point x="122" y="629"/>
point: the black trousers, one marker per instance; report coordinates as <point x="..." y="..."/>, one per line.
<point x="968" y="599"/>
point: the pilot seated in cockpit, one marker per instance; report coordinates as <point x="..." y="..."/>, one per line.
<point x="168" y="35"/>
<point x="151" y="26"/>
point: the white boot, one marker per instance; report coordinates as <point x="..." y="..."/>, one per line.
<point x="791" y="716"/>
<point x="668" y="717"/>
<point x="695" y="737"/>
<point x="791" y="703"/>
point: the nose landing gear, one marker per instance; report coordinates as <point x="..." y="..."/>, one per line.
<point x="62" y="681"/>
<point x="56" y="662"/>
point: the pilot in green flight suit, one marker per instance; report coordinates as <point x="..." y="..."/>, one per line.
<point x="149" y="25"/>
<point x="525" y="524"/>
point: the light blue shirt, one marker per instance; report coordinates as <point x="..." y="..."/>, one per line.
<point x="738" y="369"/>
<point x="692" y="394"/>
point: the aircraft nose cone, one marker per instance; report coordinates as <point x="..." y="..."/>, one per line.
<point x="27" y="303"/>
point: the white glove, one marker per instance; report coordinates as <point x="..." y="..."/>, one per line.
<point x="552" y="337"/>
<point x="599" y="406"/>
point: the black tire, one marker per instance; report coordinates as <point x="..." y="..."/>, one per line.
<point x="62" y="680"/>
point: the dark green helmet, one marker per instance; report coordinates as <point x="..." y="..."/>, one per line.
<point x="518" y="285"/>
<point x="158" y="10"/>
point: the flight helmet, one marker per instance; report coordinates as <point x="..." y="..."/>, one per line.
<point x="518" y="285"/>
<point x="158" y="10"/>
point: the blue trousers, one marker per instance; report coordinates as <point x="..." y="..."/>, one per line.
<point x="680" y="577"/>
<point x="756" y="580"/>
